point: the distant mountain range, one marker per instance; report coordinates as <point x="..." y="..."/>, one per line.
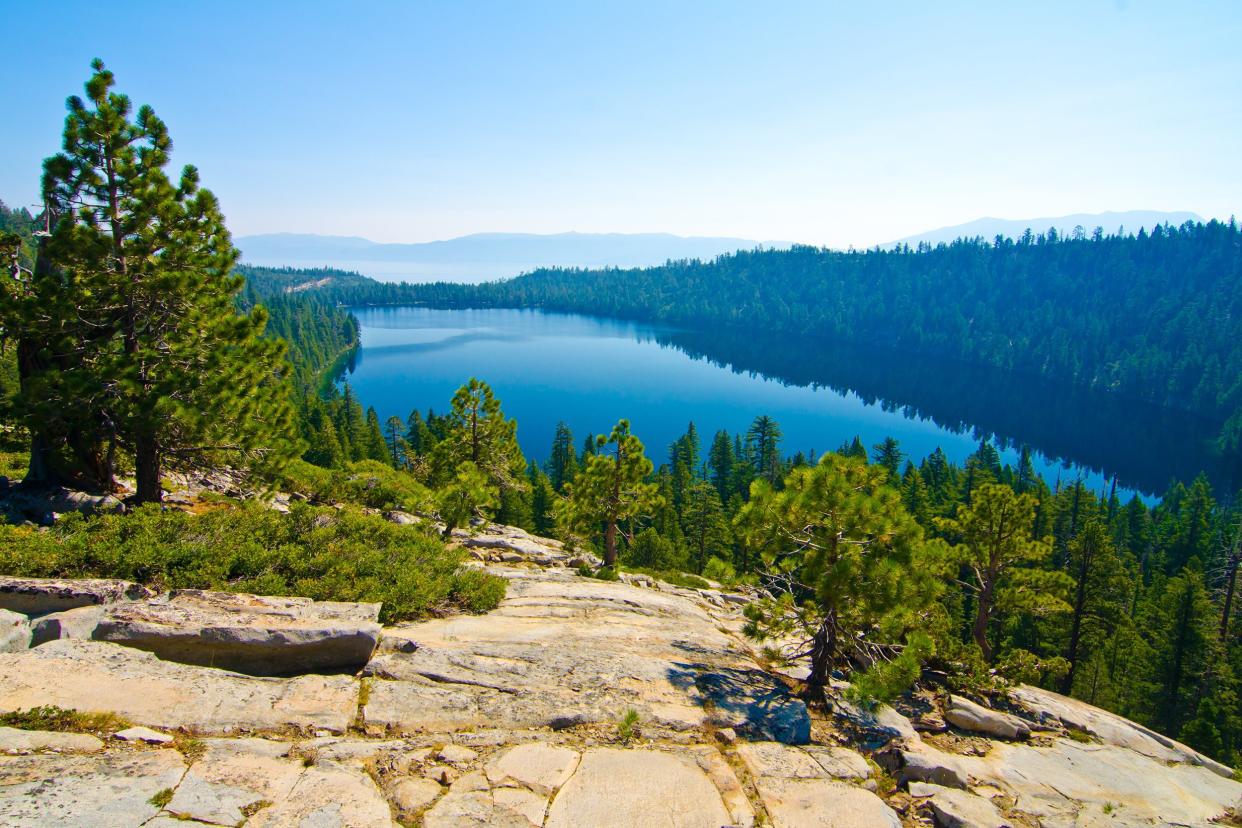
<point x="488" y="256"/>
<point x="989" y="228"/>
<point x="484" y="255"/>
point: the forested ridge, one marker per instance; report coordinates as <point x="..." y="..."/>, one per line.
<point x="1154" y="317"/>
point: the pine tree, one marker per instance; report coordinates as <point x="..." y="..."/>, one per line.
<point x="562" y="461"/>
<point x="720" y="462"/>
<point x="1094" y="567"/>
<point x="888" y="454"/>
<point x="763" y="447"/>
<point x="1182" y="621"/>
<point x="704" y="525"/>
<point x="178" y="376"/>
<point x="351" y="425"/>
<point x="542" y="500"/>
<point x="1027" y="478"/>
<point x="997" y="546"/>
<point x="685" y="450"/>
<point x="376" y="446"/>
<point x="478" y="432"/>
<point x="852" y="572"/>
<point x="467" y="495"/>
<point x="610" y="488"/>
<point x="397" y="446"/>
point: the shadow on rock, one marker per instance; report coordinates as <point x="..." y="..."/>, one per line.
<point x="749" y="701"/>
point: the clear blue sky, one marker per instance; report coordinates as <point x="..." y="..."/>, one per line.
<point x="836" y="123"/>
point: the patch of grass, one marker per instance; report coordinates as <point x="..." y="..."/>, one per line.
<point x="162" y="798"/>
<point x="13" y="464"/>
<point x="320" y="553"/>
<point x="1078" y="735"/>
<point x="627" y="725"/>
<point x="191" y="747"/>
<point x="51" y="717"/>
<point x="885" y="783"/>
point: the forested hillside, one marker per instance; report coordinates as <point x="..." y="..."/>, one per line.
<point x="1154" y="317"/>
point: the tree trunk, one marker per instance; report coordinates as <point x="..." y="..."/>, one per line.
<point x="1080" y="608"/>
<point x="1231" y="580"/>
<point x="147" y="470"/>
<point x="40" y="470"/>
<point x="823" y="653"/>
<point x="982" y="616"/>
<point x="610" y="544"/>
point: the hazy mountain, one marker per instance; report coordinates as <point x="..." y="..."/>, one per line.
<point x="483" y="255"/>
<point x="989" y="228"/>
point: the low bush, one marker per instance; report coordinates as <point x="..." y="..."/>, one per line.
<point x="367" y="483"/>
<point x="685" y="580"/>
<point x="320" y="553"/>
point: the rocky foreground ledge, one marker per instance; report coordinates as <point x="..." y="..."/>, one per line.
<point x="234" y="710"/>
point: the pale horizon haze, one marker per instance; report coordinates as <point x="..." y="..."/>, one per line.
<point x="828" y="123"/>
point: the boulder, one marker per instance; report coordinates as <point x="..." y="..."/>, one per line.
<point x="658" y="789"/>
<point x="926" y="764"/>
<point x="96" y="676"/>
<point x="958" y="809"/>
<point x="39" y="596"/>
<point x="14" y="631"/>
<point x="252" y="634"/>
<point x="43" y="505"/>
<point x="74" y="623"/>
<point x="965" y="714"/>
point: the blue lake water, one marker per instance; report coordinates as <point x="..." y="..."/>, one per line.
<point x="591" y="372"/>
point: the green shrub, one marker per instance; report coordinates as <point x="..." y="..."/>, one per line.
<point x="652" y="551"/>
<point x="720" y="571"/>
<point x="366" y="483"/>
<point x="886" y="680"/>
<point x="320" y="553"/>
<point x="627" y="725"/>
<point x="606" y="573"/>
<point x="1024" y="667"/>
<point x="678" y="579"/>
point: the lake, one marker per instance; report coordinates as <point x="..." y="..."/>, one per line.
<point x="590" y="372"/>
